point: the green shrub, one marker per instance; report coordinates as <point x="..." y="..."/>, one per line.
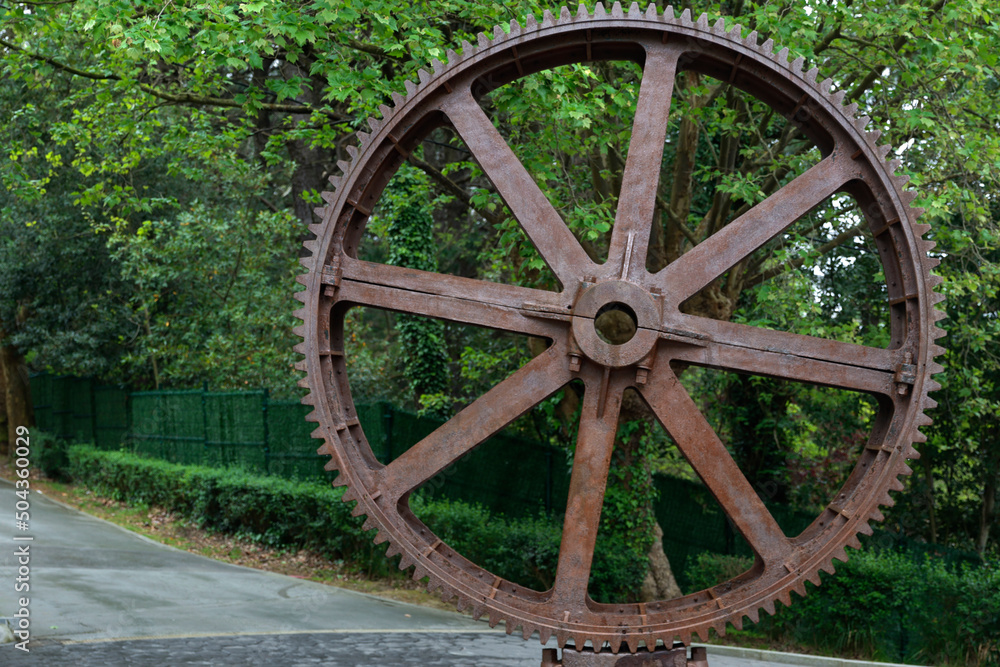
<point x="887" y="605"/>
<point x="50" y="454"/>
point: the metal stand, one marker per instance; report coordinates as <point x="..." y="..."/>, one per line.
<point x="660" y="657"/>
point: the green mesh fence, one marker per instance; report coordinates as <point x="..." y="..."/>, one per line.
<point x="169" y="425"/>
<point x="110" y="416"/>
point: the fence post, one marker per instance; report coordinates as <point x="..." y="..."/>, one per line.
<point x="387" y="417"/>
<point x="93" y="413"/>
<point x="204" y="422"/>
<point x="265" y="398"/>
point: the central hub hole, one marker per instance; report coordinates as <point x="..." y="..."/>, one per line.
<point x="616" y="323"/>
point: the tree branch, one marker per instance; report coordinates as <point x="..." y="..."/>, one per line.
<point x="187" y="99"/>
<point x="837" y="240"/>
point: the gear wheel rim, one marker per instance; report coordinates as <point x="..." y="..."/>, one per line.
<point x="631" y="625"/>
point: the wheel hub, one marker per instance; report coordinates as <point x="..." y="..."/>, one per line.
<point x="637" y="304"/>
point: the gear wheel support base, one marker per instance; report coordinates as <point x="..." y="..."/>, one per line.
<point x="660" y="657"/>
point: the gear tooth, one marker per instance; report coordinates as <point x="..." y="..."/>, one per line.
<point x="929" y="403"/>
<point x="783" y="56"/>
<point x="419" y="572"/>
<point x="393" y="550"/>
<point x="908" y="196"/>
<point x="668" y="14"/>
<point x="921" y="229"/>
<point x="861" y="123"/>
<point x="411" y="87"/>
<point x="785" y="598"/>
<point x="300" y="313"/>
<point x="308" y="399"/>
<point x="328" y="197"/>
<point x="702" y="23"/>
<point x="531" y="24"/>
<point x="616" y="11"/>
<point x="582" y="13"/>
<point x="303" y="279"/>
<point x="769" y="605"/>
<point x="685" y="19"/>
<point x="851" y="109"/>
<point x="320" y="213"/>
<point x="482" y="41"/>
<point x="306" y="262"/>
<point x="651" y="12"/>
<point x="544" y="634"/>
<point x="300" y="330"/>
<point x="813" y="579"/>
<point x="564" y="14"/>
<point x="905" y="470"/>
<point x="548" y="20"/>
<point x="934" y="368"/>
<point x="384" y="110"/>
<point x="933" y="385"/>
<point x="768" y="48"/>
<point x="840" y="554"/>
<point x="882" y="152"/>
<point x="800" y="587"/>
<point x="873" y="137"/>
<point x="736" y="33"/>
<point x="397" y="99"/>
<point x="405" y="561"/>
<point x="452" y="57"/>
<point x="303" y="295"/>
<point x="423" y="75"/>
<point x="751" y="40"/>
<point x="324" y="450"/>
<point x="299" y="366"/>
<point x="498" y="33"/>
<point x="312" y="246"/>
<point x="515" y="28"/>
<point x="330" y="465"/>
<point x="380" y="537"/>
<point x="477" y="612"/>
<point x="509" y="627"/>
<point x="827" y="567"/>
<point x="335" y="181"/>
<point x="526" y="632"/>
<point x="935" y="297"/>
<point x="437" y="66"/>
<point x="369" y="524"/>
<point x="616" y="643"/>
<point x="853" y="540"/>
<point x="374" y="123"/>
<point x="825" y="85"/>
<point x="811" y="75"/>
<point x="719" y="27"/>
<point x="737" y="623"/>
<point x="797" y="64"/>
<point x="754" y="614"/>
<point x="314" y="415"/>
<point x="303" y="383"/>
<point x="838" y="97"/>
<point x="462" y="603"/>
<point x="353" y="151"/>
<point x="349" y="495"/>
<point x="344" y="166"/>
<point x="918" y="436"/>
<point x="895" y="484"/>
<point x="494" y="618"/>
<point x="632" y="640"/>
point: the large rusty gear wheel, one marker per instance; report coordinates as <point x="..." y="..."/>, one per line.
<point x="899" y="377"/>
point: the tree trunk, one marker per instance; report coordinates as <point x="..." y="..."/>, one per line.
<point x="5" y="448"/>
<point x="659" y="583"/>
<point x="16" y="389"/>
<point x="988" y="514"/>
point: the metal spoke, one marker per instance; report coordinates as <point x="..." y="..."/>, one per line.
<point x="591" y="461"/>
<point x="720" y="252"/>
<point x="533" y="211"/>
<point x="466" y="300"/>
<point x="779" y="354"/>
<point x="702" y="448"/>
<point x="641" y="178"/>
<point x="532" y="383"/>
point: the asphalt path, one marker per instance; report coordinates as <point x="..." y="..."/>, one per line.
<point x="103" y="595"/>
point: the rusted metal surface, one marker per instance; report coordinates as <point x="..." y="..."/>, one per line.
<point x="898" y="376"/>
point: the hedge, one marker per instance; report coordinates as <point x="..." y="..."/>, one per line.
<point x="281" y="513"/>
<point x="887" y="605"/>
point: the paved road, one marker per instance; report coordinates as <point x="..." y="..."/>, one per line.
<point x="102" y="595"/>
